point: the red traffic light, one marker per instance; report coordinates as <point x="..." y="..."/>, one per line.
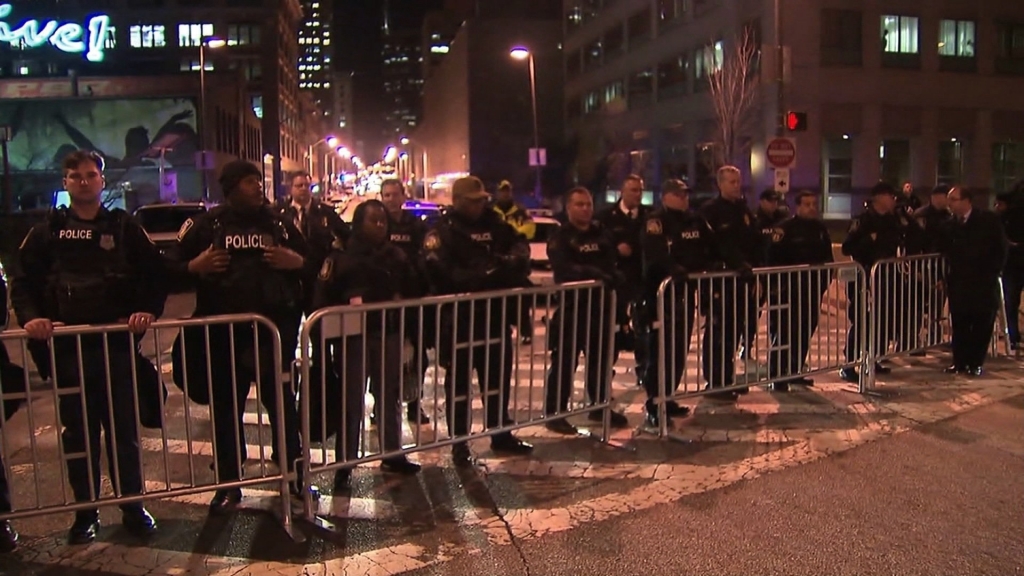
<point x="796" y="121"/>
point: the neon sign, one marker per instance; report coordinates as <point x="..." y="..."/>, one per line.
<point x="65" y="36"/>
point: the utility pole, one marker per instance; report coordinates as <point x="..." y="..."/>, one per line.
<point x="780" y="71"/>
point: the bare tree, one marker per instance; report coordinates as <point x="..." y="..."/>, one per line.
<point x="734" y="86"/>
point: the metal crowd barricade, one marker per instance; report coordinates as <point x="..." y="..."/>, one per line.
<point x="344" y="348"/>
<point x="92" y="369"/>
<point x="794" y="322"/>
<point x="910" y="309"/>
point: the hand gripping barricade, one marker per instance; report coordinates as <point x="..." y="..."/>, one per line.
<point x="159" y="445"/>
<point x="909" y="310"/>
<point x="805" y="329"/>
<point x="469" y="338"/>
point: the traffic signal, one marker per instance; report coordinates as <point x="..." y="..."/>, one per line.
<point x="796" y="121"/>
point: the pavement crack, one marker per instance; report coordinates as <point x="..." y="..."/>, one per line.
<point x="508" y="526"/>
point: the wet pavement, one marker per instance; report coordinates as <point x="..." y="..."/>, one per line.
<point x="925" y="478"/>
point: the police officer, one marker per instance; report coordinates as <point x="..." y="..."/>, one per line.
<point x="796" y="299"/>
<point x="581" y="250"/>
<point x="1013" y="273"/>
<point x="90" y="265"/>
<point x="876" y="234"/>
<point x="370" y="269"/>
<point x="8" y="536"/>
<point x="907" y="203"/>
<point x="471" y="250"/>
<point x="934" y="219"/>
<point x="320" y="226"/>
<point x="677" y="242"/>
<point x="517" y="217"/>
<point x="975" y="252"/>
<point x="740" y="245"/>
<point x="771" y="211"/>
<point x="625" y="220"/>
<point x="246" y="259"/>
<point x="407" y="232"/>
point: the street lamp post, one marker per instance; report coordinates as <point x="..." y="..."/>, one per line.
<point x="204" y="43"/>
<point x="521" y="53"/>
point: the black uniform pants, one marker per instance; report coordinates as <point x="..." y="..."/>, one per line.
<point x="1013" y="283"/>
<point x="753" y="315"/>
<point x="678" y="329"/>
<point x="973" y="309"/>
<point x="85" y="412"/>
<point x="570" y="333"/>
<point x="493" y="366"/>
<point x="792" y="321"/>
<point x="229" y="398"/>
<point x="878" y="312"/>
<point x="727" y="311"/>
<point x="378" y="360"/>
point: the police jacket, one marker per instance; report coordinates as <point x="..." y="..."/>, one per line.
<point x="768" y="224"/>
<point x="934" y="225"/>
<point x="320" y="228"/>
<point x="676" y="243"/>
<point x="463" y="256"/>
<point x="518" y="218"/>
<point x="249" y="285"/>
<point x="626" y="230"/>
<point x="908" y="204"/>
<point x="80" y="271"/>
<point x="873" y="237"/>
<point x="370" y="273"/>
<point x="800" y="241"/>
<point x="740" y="242"/>
<point x="975" y="253"/>
<point x="407" y="233"/>
<point x="580" y="255"/>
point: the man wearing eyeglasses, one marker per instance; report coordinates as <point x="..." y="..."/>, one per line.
<point x="975" y="251"/>
<point x="91" y="265"/>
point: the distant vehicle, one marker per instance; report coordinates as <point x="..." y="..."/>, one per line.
<point x="429" y="212"/>
<point x="546" y="227"/>
<point x="163" y="221"/>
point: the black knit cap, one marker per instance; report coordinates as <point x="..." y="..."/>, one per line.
<point x="234" y="172"/>
<point x="882" y="188"/>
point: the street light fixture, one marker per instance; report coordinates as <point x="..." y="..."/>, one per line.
<point x="404" y="141"/>
<point x="390" y="154"/>
<point x="204" y="43"/>
<point x="521" y="53"/>
<point x="344" y="153"/>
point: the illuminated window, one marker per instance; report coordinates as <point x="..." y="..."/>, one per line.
<point x="244" y="34"/>
<point x="193" y="65"/>
<point x="900" y="34"/>
<point x="193" y="34"/>
<point x="111" y="40"/>
<point x="146" y="36"/>
<point x="956" y="38"/>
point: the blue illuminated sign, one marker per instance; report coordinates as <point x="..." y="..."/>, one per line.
<point x="65" y="36"/>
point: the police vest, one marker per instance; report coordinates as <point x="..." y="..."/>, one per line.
<point x="90" y="280"/>
<point x="250" y="285"/>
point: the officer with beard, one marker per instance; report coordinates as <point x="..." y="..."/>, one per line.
<point x="246" y="259"/>
<point x="472" y="250"/>
<point x="581" y="250"/>
<point x="407" y="232"/>
<point x="91" y="265"/>
<point x="677" y="242"/>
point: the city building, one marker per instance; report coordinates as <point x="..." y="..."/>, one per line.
<point x="403" y="80"/>
<point x="145" y="41"/>
<point x="439" y="29"/>
<point x="478" y="110"/>
<point x="343" y="97"/>
<point x="917" y="91"/>
<point x="315" y="50"/>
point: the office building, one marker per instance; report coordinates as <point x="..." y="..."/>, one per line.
<point x="315" y="49"/>
<point x="922" y="91"/>
<point x="343" y="96"/>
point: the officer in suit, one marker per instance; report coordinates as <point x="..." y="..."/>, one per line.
<point x="245" y="258"/>
<point x="796" y="298"/>
<point x="677" y="242"/>
<point x="975" y="252"/>
<point x="581" y="250"/>
<point x="470" y="250"/>
<point x="625" y="221"/>
<point x="740" y="245"/>
<point x="90" y="265"/>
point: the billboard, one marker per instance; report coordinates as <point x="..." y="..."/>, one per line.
<point x="138" y="138"/>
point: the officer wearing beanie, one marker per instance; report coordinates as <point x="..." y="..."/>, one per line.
<point x="245" y="258"/>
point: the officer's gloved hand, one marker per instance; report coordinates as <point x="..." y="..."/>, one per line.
<point x="680" y="275"/>
<point x="746" y="272"/>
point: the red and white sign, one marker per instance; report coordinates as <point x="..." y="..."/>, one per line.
<point x="781" y="153"/>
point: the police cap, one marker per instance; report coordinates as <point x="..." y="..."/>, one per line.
<point x="469" y="188"/>
<point x="674" y="186"/>
<point x="770" y="194"/>
<point x="941" y="189"/>
<point x="505" y="185"/>
<point x="882" y="188"/>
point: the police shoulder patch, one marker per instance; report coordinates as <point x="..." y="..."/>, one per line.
<point x="654" y="226"/>
<point x="326" y="269"/>
<point x="432" y="241"/>
<point x="778" y="234"/>
<point x="185" y="228"/>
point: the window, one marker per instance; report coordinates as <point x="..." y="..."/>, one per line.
<point x="841" y="37"/>
<point x="895" y="160"/>
<point x="951" y="163"/>
<point x="1011" y="41"/>
<point x="614" y="42"/>
<point x="110" y="42"/>
<point x="1007" y="164"/>
<point x="614" y="91"/>
<point x="591" y="102"/>
<point x="837" y="168"/>
<point x="672" y="76"/>
<point x="243" y="34"/>
<point x="641" y="89"/>
<point x="253" y="70"/>
<point x="709" y="60"/>
<point x="193" y="34"/>
<point x="188" y="65"/>
<point x="639" y="27"/>
<point x="670" y="12"/>
<point x="900" y="34"/>
<point x="146" y="36"/>
<point x="956" y="38"/>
